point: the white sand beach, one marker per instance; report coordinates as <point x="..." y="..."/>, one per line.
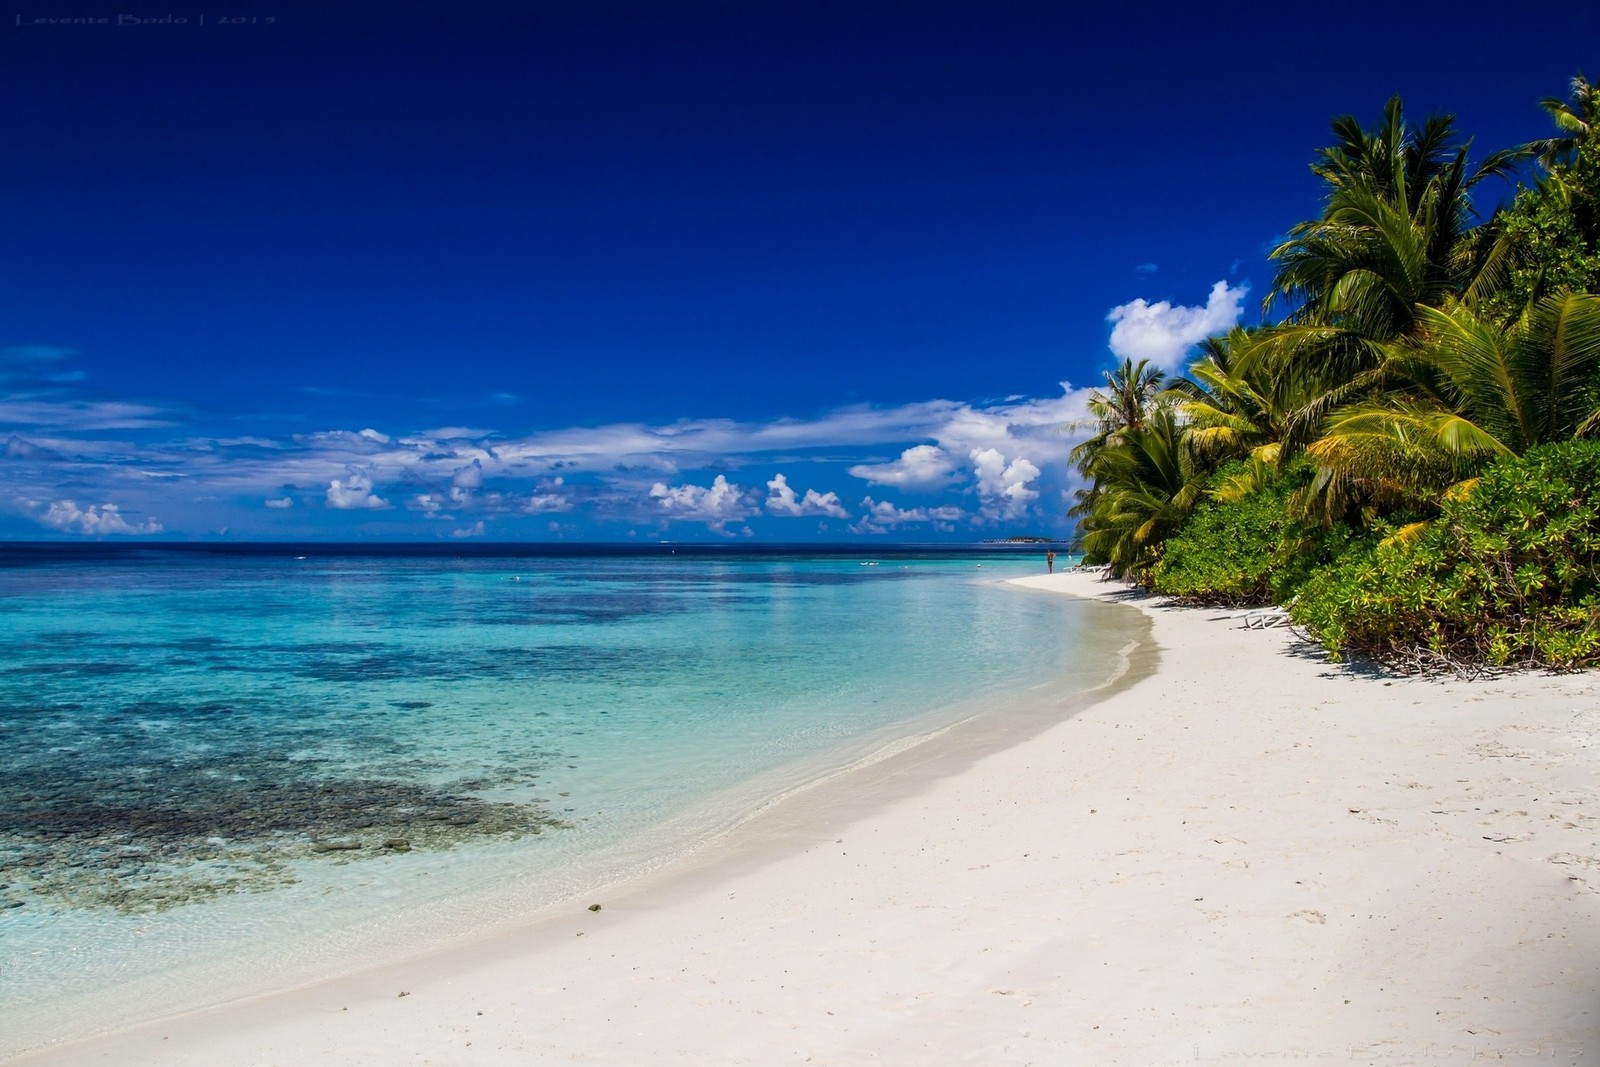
<point x="1241" y="853"/>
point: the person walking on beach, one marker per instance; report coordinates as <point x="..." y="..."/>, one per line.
<point x="1050" y="561"/>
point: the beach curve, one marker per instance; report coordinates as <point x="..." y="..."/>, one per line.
<point x="1243" y="853"/>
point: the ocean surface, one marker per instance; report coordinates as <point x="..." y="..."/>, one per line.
<point x="231" y="768"/>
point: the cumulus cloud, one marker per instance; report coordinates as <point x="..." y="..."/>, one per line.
<point x="95" y="520"/>
<point x="1164" y="334"/>
<point x="469" y="477"/>
<point x="919" y="467"/>
<point x="281" y="502"/>
<point x="430" y="504"/>
<point x="781" y="500"/>
<point x="540" y="503"/>
<point x="715" y="505"/>
<point x="465" y="481"/>
<point x="475" y="530"/>
<point x="354" y="492"/>
<point x="1003" y="487"/>
<point x="549" y="495"/>
<point x="882" y="516"/>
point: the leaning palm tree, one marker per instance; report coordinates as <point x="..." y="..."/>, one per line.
<point x="1476" y="391"/>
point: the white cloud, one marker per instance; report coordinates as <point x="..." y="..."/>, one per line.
<point x="548" y="496"/>
<point x="353" y="492"/>
<point x="642" y="454"/>
<point x="919" y="467"/>
<point x="45" y="411"/>
<point x="281" y="502"/>
<point x="683" y="444"/>
<point x="715" y="505"/>
<point x="539" y="503"/>
<point x="430" y="504"/>
<point x="104" y="519"/>
<point x="781" y="500"/>
<point x="1003" y="487"/>
<point x="882" y="516"/>
<point x="447" y="469"/>
<point x="468" y="478"/>
<point x="346" y="442"/>
<point x="464" y="481"/>
<point x="475" y="530"/>
<point x="1164" y="334"/>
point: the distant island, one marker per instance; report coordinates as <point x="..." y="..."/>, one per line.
<point x="1025" y="541"/>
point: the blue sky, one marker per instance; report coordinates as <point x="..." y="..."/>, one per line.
<point x="794" y="271"/>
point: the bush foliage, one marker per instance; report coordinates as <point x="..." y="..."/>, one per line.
<point x="1508" y="575"/>
<point x="1250" y="550"/>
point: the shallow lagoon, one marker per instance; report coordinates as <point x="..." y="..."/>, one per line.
<point x="295" y="761"/>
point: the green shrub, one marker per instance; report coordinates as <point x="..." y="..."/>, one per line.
<point x="1506" y="576"/>
<point x="1245" y="551"/>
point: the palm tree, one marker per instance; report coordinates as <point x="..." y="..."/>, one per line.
<point x="1130" y="394"/>
<point x="1575" y="118"/>
<point x="1244" y="397"/>
<point x="1477" y="391"/>
<point x="1392" y="230"/>
<point x="1241" y="406"/>
<point x="1146" y="482"/>
<point x="1124" y="405"/>
<point x="1395" y="235"/>
<point x="1392" y="156"/>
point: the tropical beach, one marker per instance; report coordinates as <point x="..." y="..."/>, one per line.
<point x="677" y="532"/>
<point x="1234" y="851"/>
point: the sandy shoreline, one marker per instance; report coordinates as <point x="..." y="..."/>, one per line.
<point x="1246" y="854"/>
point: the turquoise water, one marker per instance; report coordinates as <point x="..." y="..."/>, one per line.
<point x="208" y="761"/>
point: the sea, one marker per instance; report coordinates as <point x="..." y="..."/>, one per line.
<point x="226" y="769"/>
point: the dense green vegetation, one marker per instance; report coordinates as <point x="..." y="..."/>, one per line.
<point x="1507" y="575"/>
<point x="1250" y="547"/>
<point x="1409" y="453"/>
